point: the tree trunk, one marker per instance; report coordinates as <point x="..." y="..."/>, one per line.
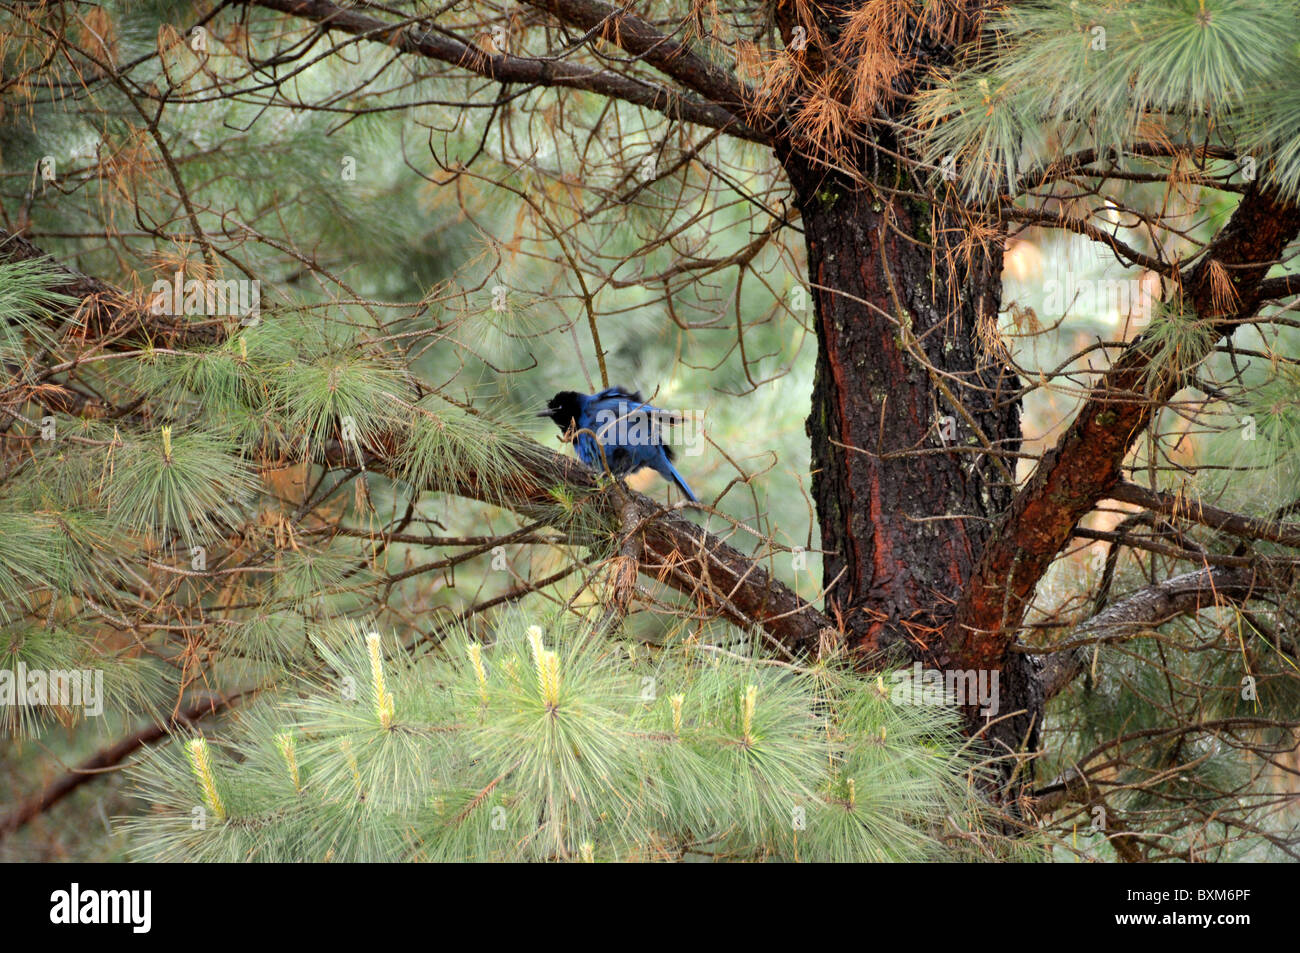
<point x="904" y="499"/>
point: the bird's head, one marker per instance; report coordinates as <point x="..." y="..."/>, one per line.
<point x="563" y="408"/>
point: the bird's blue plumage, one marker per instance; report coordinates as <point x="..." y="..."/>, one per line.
<point x="629" y="431"/>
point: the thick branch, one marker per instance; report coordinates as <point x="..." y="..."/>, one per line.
<point x="1283" y="286"/>
<point x="1147" y="608"/>
<point x="631" y="33"/>
<point x="1194" y="511"/>
<point x="681" y="554"/>
<point x="106" y="314"/>
<point x="667" y="54"/>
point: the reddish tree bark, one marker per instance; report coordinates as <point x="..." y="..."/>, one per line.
<point x="909" y="411"/>
<point x="904" y="505"/>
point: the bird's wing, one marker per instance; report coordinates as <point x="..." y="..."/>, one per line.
<point x="627" y="405"/>
<point x="622" y="421"/>
<point x="585" y="447"/>
<point x="618" y="392"/>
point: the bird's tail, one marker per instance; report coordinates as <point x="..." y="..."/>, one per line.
<point x="676" y="477"/>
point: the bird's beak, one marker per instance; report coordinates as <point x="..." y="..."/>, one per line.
<point x="544" y="413"/>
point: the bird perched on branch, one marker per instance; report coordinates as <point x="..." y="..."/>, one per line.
<point x="617" y="430"/>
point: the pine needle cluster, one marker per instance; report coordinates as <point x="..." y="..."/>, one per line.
<point x="546" y="743"/>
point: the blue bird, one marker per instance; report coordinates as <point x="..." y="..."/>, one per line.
<point x="628" y="429"/>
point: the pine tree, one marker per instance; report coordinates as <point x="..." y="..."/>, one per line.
<point x="283" y="286"/>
